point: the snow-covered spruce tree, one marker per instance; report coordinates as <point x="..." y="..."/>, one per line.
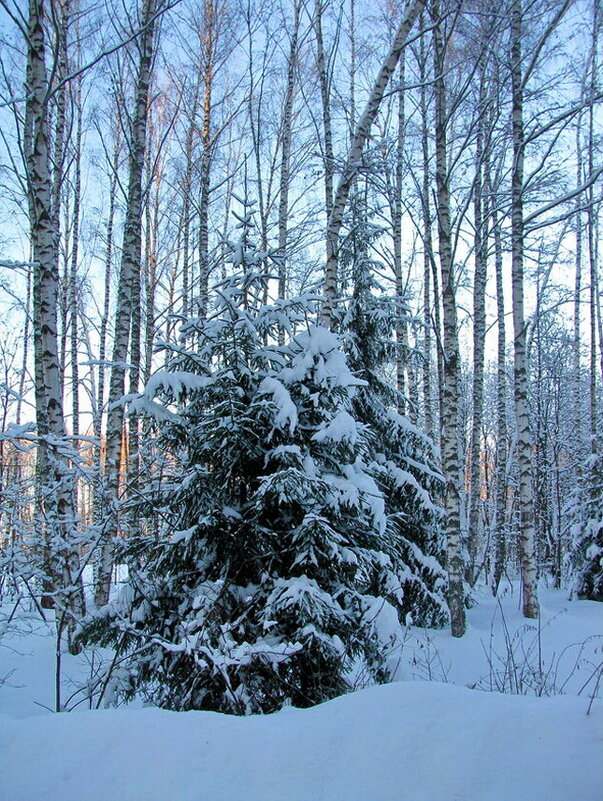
<point x="403" y="462"/>
<point x="588" y="536"/>
<point x="290" y="546"/>
<point x="273" y="578"/>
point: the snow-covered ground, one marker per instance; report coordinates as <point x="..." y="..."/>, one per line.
<point x="416" y="739"/>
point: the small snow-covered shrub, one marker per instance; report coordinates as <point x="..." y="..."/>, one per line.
<point x="519" y="666"/>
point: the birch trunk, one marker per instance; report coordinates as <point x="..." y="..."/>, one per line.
<point x="60" y="14"/>
<point x="61" y="9"/>
<point x="52" y="468"/>
<point x="354" y="159"/>
<point x="171" y="287"/>
<point x="114" y="167"/>
<point x="578" y="444"/>
<point x="592" y="262"/>
<point x="325" y="96"/>
<point x="285" y="173"/>
<point x="451" y="356"/>
<point x="428" y="259"/>
<point x="26" y="330"/>
<point x="151" y="280"/>
<point x="479" y="336"/>
<point x="595" y="205"/>
<point x="132" y="474"/>
<point x="73" y="280"/>
<point x="129" y="275"/>
<point x="501" y="407"/>
<point x="401" y="322"/>
<point x="146" y="456"/>
<point x="413" y="386"/>
<point x="522" y="417"/>
<point x="257" y="128"/>
<point x="187" y="184"/>
<point x="593" y="340"/>
<point x="330" y="282"/>
<point x="595" y="309"/>
<point x="98" y="498"/>
<point x="211" y="23"/>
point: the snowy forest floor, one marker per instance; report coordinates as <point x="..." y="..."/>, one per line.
<point x="442" y="731"/>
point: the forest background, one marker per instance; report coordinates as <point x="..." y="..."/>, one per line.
<point x="426" y="176"/>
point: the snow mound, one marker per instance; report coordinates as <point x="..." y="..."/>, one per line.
<point x="407" y="741"/>
<point x="410" y="741"/>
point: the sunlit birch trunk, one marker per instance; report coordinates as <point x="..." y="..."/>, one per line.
<point x="451" y="356"/>
<point x="129" y="279"/>
<point x="522" y="416"/>
<point x="54" y="476"/>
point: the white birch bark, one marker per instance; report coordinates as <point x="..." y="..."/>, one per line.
<point x="401" y="322"/>
<point x="591" y="222"/>
<point x="522" y="415"/>
<point x="60" y="12"/>
<point x="325" y="96"/>
<point x="502" y="436"/>
<point x="187" y="185"/>
<point x="211" y="33"/>
<point x="98" y="497"/>
<point x="52" y="468"/>
<point x="129" y="271"/>
<point x="479" y="336"/>
<point x="428" y="257"/>
<point x="285" y="172"/>
<point x="578" y="406"/>
<point x="151" y="275"/>
<point x="26" y="334"/>
<point x="108" y="259"/>
<point x="451" y="356"/>
<point x="265" y="167"/>
<point x="353" y="161"/>
<point x="73" y="280"/>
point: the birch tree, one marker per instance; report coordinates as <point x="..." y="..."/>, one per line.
<point x="129" y="279"/>
<point x="54" y="476"/>
<point x="500" y="538"/>
<point x="479" y="323"/>
<point x="286" y="135"/>
<point x="450" y="344"/>
<point x="522" y="415"/>
<point x="429" y="265"/>
<point x="354" y="157"/>
<point x="324" y="79"/>
<point x="593" y="259"/>
<point x="213" y="16"/>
